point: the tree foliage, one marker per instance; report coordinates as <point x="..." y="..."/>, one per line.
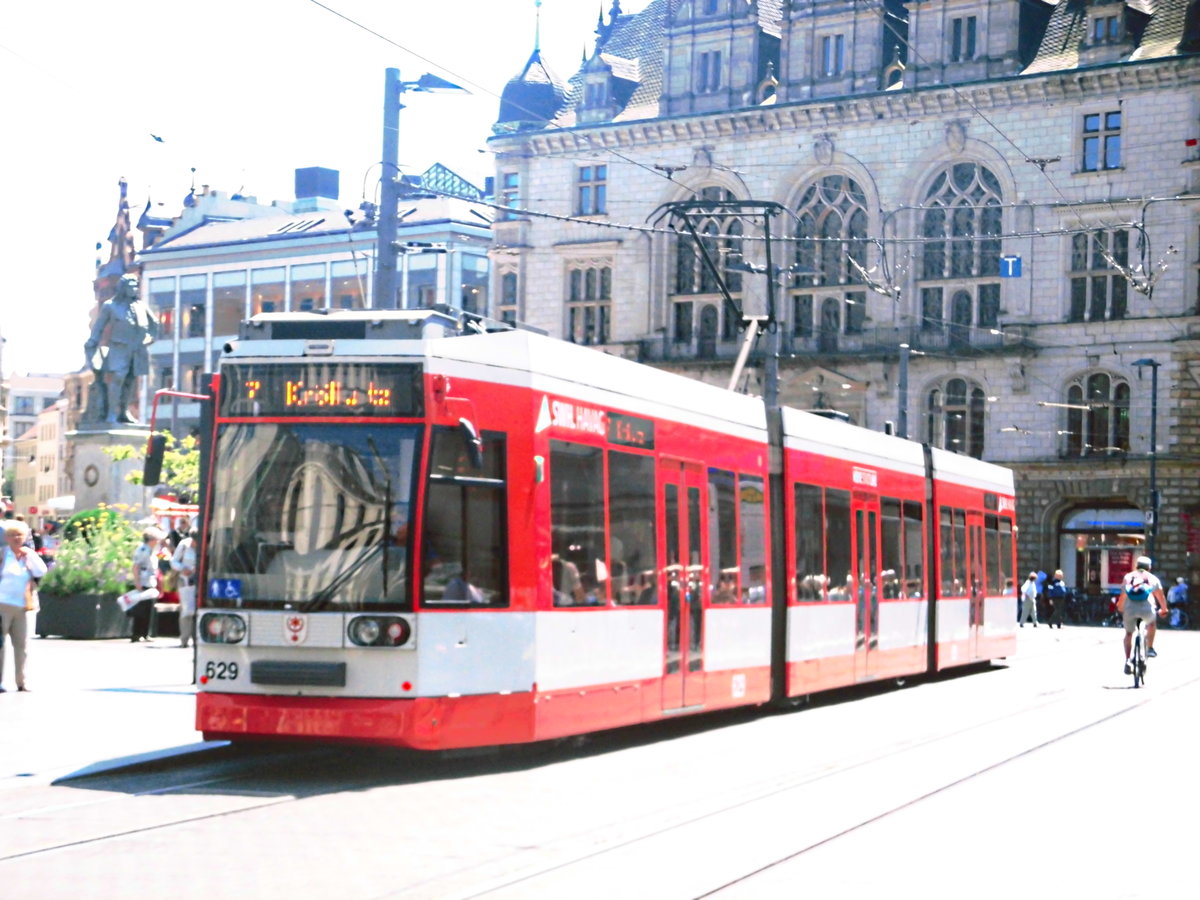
<point x="181" y="464"/>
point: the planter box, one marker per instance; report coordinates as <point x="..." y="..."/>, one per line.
<point x="82" y="616"/>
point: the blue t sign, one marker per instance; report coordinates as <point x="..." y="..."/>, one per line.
<point x="1010" y="267"/>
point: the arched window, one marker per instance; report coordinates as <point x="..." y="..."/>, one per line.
<point x="960" y="258"/>
<point x="831" y="228"/>
<point x="955" y="417"/>
<point x="1097" y="415"/>
<point x="721" y="237"/>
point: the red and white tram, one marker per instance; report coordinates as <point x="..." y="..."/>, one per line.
<point x="423" y="533"/>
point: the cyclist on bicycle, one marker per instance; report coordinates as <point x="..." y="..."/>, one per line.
<point x="1139" y="591"/>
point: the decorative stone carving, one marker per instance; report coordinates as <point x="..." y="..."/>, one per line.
<point x="823" y="148"/>
<point x="956" y="134"/>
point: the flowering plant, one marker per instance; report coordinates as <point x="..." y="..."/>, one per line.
<point x="97" y="559"/>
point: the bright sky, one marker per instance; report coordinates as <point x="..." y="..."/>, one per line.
<point x="245" y="91"/>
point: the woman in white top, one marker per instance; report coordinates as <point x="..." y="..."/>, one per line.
<point x="145" y="583"/>
<point x="17" y="567"/>
<point x="183" y="561"/>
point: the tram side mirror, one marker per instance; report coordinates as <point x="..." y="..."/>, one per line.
<point x="152" y="469"/>
<point x="472" y="441"/>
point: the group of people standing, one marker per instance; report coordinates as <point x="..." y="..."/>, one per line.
<point x="163" y="564"/>
<point x="1056" y="592"/>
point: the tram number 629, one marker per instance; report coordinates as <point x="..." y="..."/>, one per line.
<point x="221" y="671"/>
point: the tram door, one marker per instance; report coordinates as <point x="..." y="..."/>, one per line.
<point x="866" y="587"/>
<point x="975" y="581"/>
<point x="683" y="581"/>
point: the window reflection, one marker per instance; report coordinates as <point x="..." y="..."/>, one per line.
<point x="308" y="287"/>
<point x="229" y="302"/>
<point x="266" y="290"/>
<point x="347" y="284"/>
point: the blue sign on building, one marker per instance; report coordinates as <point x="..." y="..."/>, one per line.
<point x="1010" y="267"/>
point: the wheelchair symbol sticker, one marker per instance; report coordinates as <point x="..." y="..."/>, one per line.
<point x="225" y="589"/>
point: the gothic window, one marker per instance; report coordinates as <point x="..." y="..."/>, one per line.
<point x="681" y="328"/>
<point x="831" y="229"/>
<point x="1097" y="415"/>
<point x="1098" y="290"/>
<point x="802" y="315"/>
<point x="589" y="304"/>
<point x="960" y="259"/>
<point x="722" y="240"/>
<point x="954" y="417"/>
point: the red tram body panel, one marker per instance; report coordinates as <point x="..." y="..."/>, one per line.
<point x="428" y="538"/>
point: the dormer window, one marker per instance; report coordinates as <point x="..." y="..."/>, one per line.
<point x="963" y="37"/>
<point x="1106" y="30"/>
<point x="709" y="7"/>
<point x="596" y="94"/>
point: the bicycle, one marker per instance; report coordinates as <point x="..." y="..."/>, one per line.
<point x="1137" y="656"/>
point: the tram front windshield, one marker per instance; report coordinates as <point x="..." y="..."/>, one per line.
<point x="312" y="517"/>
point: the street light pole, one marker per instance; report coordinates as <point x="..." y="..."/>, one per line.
<point x="1152" y="516"/>
<point x="389" y="189"/>
<point x="389" y="194"/>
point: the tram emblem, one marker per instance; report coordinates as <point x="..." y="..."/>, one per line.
<point x="295" y="629"/>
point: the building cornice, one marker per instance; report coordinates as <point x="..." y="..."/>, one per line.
<point x="1076" y="85"/>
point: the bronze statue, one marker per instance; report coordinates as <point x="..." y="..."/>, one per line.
<point x="132" y="326"/>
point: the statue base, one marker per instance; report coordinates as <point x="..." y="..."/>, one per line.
<point x="98" y="478"/>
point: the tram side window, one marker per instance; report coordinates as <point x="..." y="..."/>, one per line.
<point x="1007" y="575"/>
<point x="837" y="545"/>
<point x="465" y="540"/>
<point x="809" y="533"/>
<point x="914" y="550"/>
<point x="753" y="530"/>
<point x="891" y="549"/>
<point x="634" y="561"/>
<point x="578" y="552"/>
<point x="991" y="546"/>
<point x="722" y="536"/>
<point x="953" y="536"/>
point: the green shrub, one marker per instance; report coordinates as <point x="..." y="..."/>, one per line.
<point x="83" y="522"/>
<point x="99" y="557"/>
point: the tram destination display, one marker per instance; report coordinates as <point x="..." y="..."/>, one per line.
<point x="321" y="389"/>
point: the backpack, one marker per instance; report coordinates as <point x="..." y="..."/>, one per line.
<point x="1138" y="589"/>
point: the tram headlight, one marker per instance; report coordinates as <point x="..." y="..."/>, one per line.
<point x="222" y="628"/>
<point x="378" y="631"/>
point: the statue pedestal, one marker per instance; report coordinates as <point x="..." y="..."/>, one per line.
<point x="99" y="478"/>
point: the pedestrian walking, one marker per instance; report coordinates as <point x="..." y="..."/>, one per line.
<point x="20" y="566"/>
<point x="1029" y="595"/>
<point x="1058" y="594"/>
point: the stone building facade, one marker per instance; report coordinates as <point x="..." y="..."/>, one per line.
<point x="1010" y="188"/>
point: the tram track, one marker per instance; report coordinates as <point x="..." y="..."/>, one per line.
<point x="279" y="778"/>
